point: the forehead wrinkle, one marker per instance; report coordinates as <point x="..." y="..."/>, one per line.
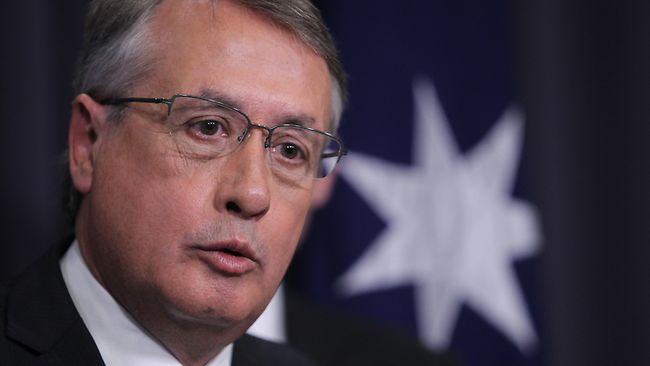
<point x="301" y="119"/>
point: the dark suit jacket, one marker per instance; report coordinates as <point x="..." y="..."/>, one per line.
<point x="336" y="339"/>
<point x="39" y="325"/>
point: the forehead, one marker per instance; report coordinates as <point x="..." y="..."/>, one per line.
<point x="220" y="45"/>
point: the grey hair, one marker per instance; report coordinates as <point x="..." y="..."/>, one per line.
<point x="118" y="53"/>
<point x="303" y="19"/>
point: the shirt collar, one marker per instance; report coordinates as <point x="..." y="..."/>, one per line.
<point x="119" y="338"/>
<point x="271" y="324"/>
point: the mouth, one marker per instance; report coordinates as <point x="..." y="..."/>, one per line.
<point x="231" y="258"/>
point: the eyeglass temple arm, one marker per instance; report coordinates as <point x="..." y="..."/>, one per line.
<point x="112" y="101"/>
<point x="343" y="152"/>
<point x="115" y="101"/>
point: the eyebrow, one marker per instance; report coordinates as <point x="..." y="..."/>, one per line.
<point x="219" y="97"/>
<point x="299" y="119"/>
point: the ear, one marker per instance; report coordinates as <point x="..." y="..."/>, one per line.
<point x="323" y="191"/>
<point x="86" y="120"/>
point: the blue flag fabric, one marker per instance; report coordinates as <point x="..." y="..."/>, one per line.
<point x="428" y="231"/>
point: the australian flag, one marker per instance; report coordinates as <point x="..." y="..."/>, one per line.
<point x="428" y="231"/>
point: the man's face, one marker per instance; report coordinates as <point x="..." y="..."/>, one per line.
<point x="204" y="241"/>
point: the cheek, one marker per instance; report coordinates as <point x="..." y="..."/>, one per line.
<point x="146" y="191"/>
<point x="144" y="229"/>
<point x="286" y="224"/>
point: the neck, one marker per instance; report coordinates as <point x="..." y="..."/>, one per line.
<point x="190" y="342"/>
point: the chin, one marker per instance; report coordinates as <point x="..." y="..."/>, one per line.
<point x="225" y="305"/>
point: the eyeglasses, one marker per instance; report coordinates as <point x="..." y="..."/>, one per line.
<point x="206" y="129"/>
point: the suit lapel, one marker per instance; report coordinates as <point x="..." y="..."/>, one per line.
<point x="42" y="317"/>
<point x="244" y="352"/>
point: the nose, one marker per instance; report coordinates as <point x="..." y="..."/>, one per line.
<point x="244" y="179"/>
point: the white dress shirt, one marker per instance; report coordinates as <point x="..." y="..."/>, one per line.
<point x="120" y="339"/>
<point x="271" y="325"/>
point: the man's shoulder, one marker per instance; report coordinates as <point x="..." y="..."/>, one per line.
<point x="38" y="320"/>
<point x="334" y="338"/>
<point x="8" y="348"/>
<point x="11" y="352"/>
<point x="251" y="350"/>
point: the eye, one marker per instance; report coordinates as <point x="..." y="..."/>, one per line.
<point x="291" y="146"/>
<point x="208" y="127"/>
<point x="290" y="151"/>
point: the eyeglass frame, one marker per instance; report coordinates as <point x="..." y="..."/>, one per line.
<point x="169" y="102"/>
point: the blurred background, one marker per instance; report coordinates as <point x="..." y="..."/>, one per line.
<point x="494" y="202"/>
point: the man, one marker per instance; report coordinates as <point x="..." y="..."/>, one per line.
<point x="195" y="146"/>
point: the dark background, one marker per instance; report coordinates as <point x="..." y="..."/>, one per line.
<point x="582" y="72"/>
<point x="41" y="39"/>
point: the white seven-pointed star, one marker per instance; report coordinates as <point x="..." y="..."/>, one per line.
<point x="453" y="228"/>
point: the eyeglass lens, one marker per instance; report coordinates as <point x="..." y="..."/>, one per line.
<point x="205" y="129"/>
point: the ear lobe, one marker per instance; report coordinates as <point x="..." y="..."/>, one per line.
<point x="85" y="121"/>
<point x="323" y="191"/>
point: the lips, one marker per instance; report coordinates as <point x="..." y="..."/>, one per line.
<point x="231" y="258"/>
